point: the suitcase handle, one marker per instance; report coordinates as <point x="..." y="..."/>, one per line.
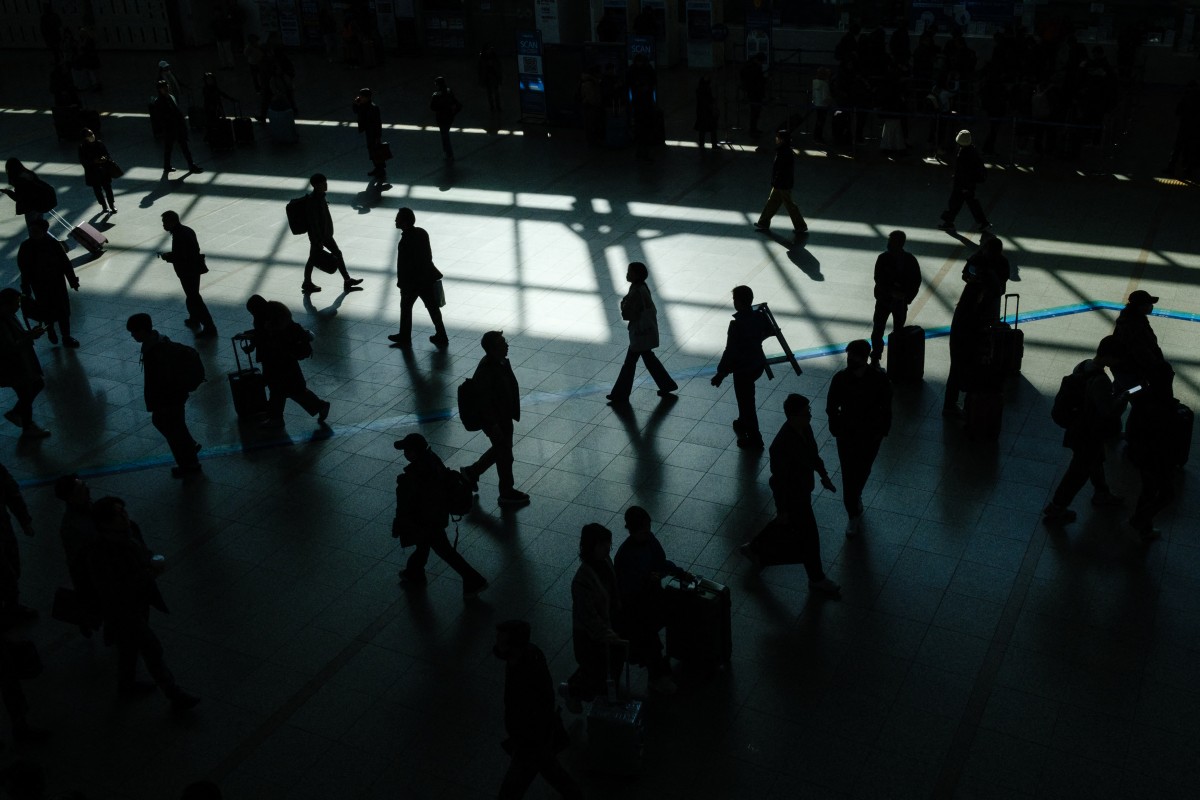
<point x="1016" y="308"/>
<point x="240" y="337"/>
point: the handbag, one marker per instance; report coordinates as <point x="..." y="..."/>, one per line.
<point x="440" y="292"/>
<point x="112" y="169"/>
<point x="325" y="261"/>
<point x="381" y="151"/>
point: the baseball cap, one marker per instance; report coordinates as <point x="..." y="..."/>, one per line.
<point x="1142" y="296"/>
<point x="414" y="441"/>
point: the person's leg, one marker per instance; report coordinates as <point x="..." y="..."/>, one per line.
<point x="152" y="656"/>
<point x="810" y="540"/>
<point x="125" y="640"/>
<point x="953" y="206"/>
<point x="314" y="252"/>
<point x="108" y="192"/>
<point x="557" y="776"/>
<point x="502" y="445"/>
<point x="26" y="394"/>
<point x="407" y="299"/>
<point x="899" y="315"/>
<point x="308" y="400"/>
<point x="454" y="559"/>
<point x="798" y="223"/>
<point x="197" y="310"/>
<point x="658" y="372"/>
<point x="819" y="127"/>
<point x="847" y="450"/>
<point x="743" y="391"/>
<point x="172" y="424"/>
<point x="1073" y="479"/>
<point x="773" y="201"/>
<point x="98" y="190"/>
<point x="976" y="208"/>
<point x="187" y="153"/>
<point x="447" y="148"/>
<point x="420" y="557"/>
<point x="430" y="301"/>
<point x="624" y="385"/>
<point x="276" y="400"/>
<point x="878" y="322"/>
<point x="522" y="769"/>
<point x="168" y="145"/>
<point x="332" y="246"/>
<point x="755" y="113"/>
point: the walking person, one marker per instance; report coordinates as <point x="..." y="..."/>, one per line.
<point x="445" y="108"/>
<point x="33" y="196"/>
<point x="416" y="278"/>
<point x="535" y="731"/>
<point x="78" y="534"/>
<point x="793" y="535"/>
<point x="498" y="385"/>
<point x="859" y="408"/>
<point x="744" y="359"/>
<point x="281" y="343"/>
<point x="370" y="125"/>
<point x="98" y="169"/>
<point x="969" y="172"/>
<point x="12" y="502"/>
<point x="167" y="383"/>
<point x="783" y="178"/>
<point x="189" y="265"/>
<point x="595" y="605"/>
<point x="321" y="245"/>
<point x="706" y="113"/>
<point x="637" y="308"/>
<point x="490" y="74"/>
<point x="124" y="572"/>
<point x="897" y="281"/>
<point x="19" y="365"/>
<point x="170" y="120"/>
<point x="1090" y="415"/>
<point x="1142" y="361"/>
<point x="45" y="274"/>
<point x="423" y="512"/>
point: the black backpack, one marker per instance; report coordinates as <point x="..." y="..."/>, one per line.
<point x="297" y="215"/>
<point x="458" y="495"/>
<point x="1068" y="409"/>
<point x="471" y="404"/>
<point x="186" y="367"/>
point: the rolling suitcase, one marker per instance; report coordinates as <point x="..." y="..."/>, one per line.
<point x="906" y="354"/>
<point x="247" y="386"/>
<point x="616" y="732"/>
<point x="91" y="239"/>
<point x="281" y="122"/>
<point x="985" y="412"/>
<point x="1014" y="337"/>
<point x="698" y="621"/>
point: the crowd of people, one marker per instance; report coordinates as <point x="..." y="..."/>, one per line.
<point x="617" y="602"/>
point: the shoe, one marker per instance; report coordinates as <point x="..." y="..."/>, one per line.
<point x="136" y="688"/>
<point x="310" y="288"/>
<point x="397" y="337"/>
<point x="413" y="578"/>
<point x="208" y="333"/>
<point x="169" y="170"/>
<point x="737" y="427"/>
<point x="752" y="442"/>
<point x="15" y="418"/>
<point x="182" y="472"/>
<point x="350" y="283"/>
<point x="952" y="412"/>
<point x="32" y="431"/>
<point x="113" y="209"/>
<point x="52" y="335"/>
<point x="323" y="414"/>
<point x="800" y="233"/>
<point x="1106" y="500"/>
<point x="471" y="479"/>
<point x="439" y="340"/>
<point x="946" y="226"/>
<point x="852" y="526"/>
<point x="190" y="323"/>
<point x="271" y="422"/>
<point x="825" y="587"/>
<point x="983" y="226"/>
<point x="513" y="499"/>
<point x="70" y="342"/>
<point x="195" y="169"/>
<point x="663" y="685"/>
<point x="748" y="551"/>
<point x="668" y="392"/>
<point x="761" y="228"/>
<point x="617" y="402"/>
<point x="1058" y="515"/>
<point x="471" y="592"/>
<point x="182" y="701"/>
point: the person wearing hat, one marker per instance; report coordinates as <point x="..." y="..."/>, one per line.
<point x="422" y="514"/>
<point x="969" y="172"/>
<point x="783" y="178"/>
<point x="859" y="408"/>
<point x="174" y="85"/>
<point x="370" y="125"/>
<point x="1098" y="417"/>
<point x="1142" y="362"/>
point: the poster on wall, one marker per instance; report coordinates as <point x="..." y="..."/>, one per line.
<point x="758" y="30"/>
<point x="531" y="88"/>
<point x="546" y="14"/>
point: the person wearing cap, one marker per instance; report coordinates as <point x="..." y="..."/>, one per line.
<point x="370" y="125"/>
<point x="897" y="281"/>
<point x="783" y="178"/>
<point x="46" y="273"/>
<point x="1098" y="418"/>
<point x="969" y="172"/>
<point x="445" y="107"/>
<point x="321" y="244"/>
<point x="859" y="408"/>
<point x="641" y="563"/>
<point x="535" y="730"/>
<point x="1142" y="360"/>
<point x="793" y="537"/>
<point x="422" y="513"/>
<point x="170" y="120"/>
<point x="174" y="85"/>
<point x="744" y="358"/>
<point x="416" y="278"/>
<point x="498" y="384"/>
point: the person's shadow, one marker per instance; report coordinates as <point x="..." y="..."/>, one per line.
<point x="647" y="474"/>
<point x="160" y="190"/>
<point x="807" y="262"/>
<point x="328" y="312"/>
<point x="370" y="197"/>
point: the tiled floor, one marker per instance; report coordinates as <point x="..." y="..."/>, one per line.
<point x="974" y="653"/>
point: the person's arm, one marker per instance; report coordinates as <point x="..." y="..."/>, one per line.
<point x="833" y="405"/>
<point x="14" y="501"/>
<point x="726" y="364"/>
<point x="591" y="609"/>
<point x="912" y="277"/>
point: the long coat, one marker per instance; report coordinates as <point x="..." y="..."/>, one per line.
<point x="19" y="363"/>
<point x="46" y="271"/>
<point x="638" y="309"/>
